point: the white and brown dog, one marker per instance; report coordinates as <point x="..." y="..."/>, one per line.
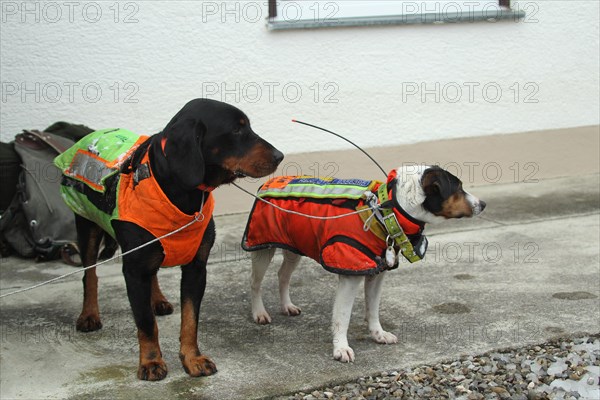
<point x="412" y="196"/>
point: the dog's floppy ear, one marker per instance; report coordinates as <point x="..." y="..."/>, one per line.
<point x="183" y="150"/>
<point x="437" y="181"/>
<point x="442" y="186"/>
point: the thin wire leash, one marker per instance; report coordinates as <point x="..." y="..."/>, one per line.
<point x="198" y="219"/>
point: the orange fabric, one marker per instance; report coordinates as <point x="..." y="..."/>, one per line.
<point x="146" y="205"/>
<point x="268" y="225"/>
<point x="339" y="245"/>
<point x="278" y="182"/>
<point x="343" y="256"/>
<point x="409" y="227"/>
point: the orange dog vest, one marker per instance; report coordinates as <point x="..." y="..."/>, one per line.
<point x="89" y="168"/>
<point x="340" y="245"/>
<point x="146" y="205"/>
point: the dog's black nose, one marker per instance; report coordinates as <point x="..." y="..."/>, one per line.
<point x="482" y="205"/>
<point x="277" y="156"/>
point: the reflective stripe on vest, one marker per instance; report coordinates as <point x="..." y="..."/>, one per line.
<point x="137" y="197"/>
<point x="316" y="188"/>
<point x="98" y="156"/>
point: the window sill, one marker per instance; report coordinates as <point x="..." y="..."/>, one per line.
<point x="412" y="19"/>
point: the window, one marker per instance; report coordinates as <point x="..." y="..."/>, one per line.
<point x="296" y="14"/>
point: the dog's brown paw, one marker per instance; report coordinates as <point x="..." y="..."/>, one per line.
<point x="198" y="365"/>
<point x="152" y="370"/>
<point x="163" y="308"/>
<point x="88" y="323"/>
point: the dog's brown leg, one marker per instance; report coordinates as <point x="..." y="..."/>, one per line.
<point x="160" y="304"/>
<point x="193" y="283"/>
<point x="152" y="367"/>
<point x="89" y="236"/>
<point x="139" y="287"/>
<point x="139" y="269"/>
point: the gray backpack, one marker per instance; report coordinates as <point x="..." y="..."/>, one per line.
<point x="38" y="223"/>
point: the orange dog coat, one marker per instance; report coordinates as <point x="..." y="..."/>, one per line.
<point x="339" y="245"/>
<point x="89" y="168"/>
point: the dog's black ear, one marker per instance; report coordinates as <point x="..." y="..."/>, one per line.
<point x="183" y="150"/>
<point x="437" y="181"/>
<point x="435" y="188"/>
<point x="442" y="186"/>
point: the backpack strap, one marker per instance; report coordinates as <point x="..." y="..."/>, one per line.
<point x="60" y="146"/>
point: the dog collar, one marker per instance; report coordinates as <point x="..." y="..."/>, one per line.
<point x="205" y="188"/>
<point x="396" y="234"/>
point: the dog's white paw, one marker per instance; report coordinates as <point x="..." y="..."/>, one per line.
<point x="291" y="310"/>
<point x="381" y="336"/>
<point x="262" y="317"/>
<point x="344" y="354"/>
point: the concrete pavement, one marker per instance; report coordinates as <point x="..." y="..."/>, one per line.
<point x="527" y="270"/>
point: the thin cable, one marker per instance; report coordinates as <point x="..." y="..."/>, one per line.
<point x="347" y="140"/>
<point x="299" y="213"/>
<point x="196" y="219"/>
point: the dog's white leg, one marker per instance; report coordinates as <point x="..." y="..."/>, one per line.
<point x="373" y="286"/>
<point x="260" y="262"/>
<point x="342" y="310"/>
<point x="290" y="262"/>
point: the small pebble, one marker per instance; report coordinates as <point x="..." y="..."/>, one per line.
<point x="461" y="389"/>
<point x="590" y="381"/>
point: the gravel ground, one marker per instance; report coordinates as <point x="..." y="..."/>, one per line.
<point x="558" y="369"/>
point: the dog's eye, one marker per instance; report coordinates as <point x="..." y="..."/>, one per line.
<point x="237" y="131"/>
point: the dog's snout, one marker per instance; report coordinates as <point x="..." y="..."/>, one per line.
<point x="277" y="156"/>
<point x="477" y="206"/>
<point x="482" y="205"/>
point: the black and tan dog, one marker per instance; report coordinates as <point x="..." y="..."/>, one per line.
<point x="148" y="188"/>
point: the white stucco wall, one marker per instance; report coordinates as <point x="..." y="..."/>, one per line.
<point x="153" y="56"/>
